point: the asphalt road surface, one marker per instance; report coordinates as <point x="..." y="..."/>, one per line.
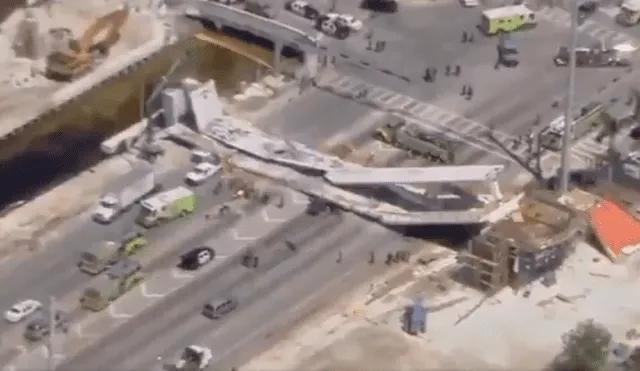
<point x="226" y="236"/>
<point x="52" y="271"/>
<point x="272" y="298"/>
<point x="507" y="102"/>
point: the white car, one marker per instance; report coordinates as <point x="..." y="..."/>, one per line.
<point x="201" y="173"/>
<point x="347" y="20"/>
<point x="22" y="310"/>
<point x="303" y="9"/>
<point x="194" y="357"/>
<point x="634" y="157"/>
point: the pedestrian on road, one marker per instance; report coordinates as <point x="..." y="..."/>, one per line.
<point x="470" y="37"/>
<point x="469" y="92"/>
<point x="389" y="259"/>
<point x="447" y="70"/>
<point x="465" y="37"/>
<point x="290" y="245"/>
<point x="458" y="70"/>
<point x="427" y="75"/>
<point x="464" y="90"/>
<point x="339" y="260"/>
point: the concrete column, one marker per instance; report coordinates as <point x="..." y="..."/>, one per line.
<point x="277" y="55"/>
<point x="495" y="190"/>
<point x="311" y="62"/>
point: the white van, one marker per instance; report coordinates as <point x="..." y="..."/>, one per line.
<point x="470" y="3"/>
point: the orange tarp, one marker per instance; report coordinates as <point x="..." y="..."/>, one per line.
<point x="615" y="227"/>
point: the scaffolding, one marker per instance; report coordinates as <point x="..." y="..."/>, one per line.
<point x="515" y="251"/>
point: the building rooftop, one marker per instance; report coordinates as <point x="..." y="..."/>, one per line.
<point x="539" y="222"/>
<point x="617" y="230"/>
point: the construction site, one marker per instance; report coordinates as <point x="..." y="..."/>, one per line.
<point x="490" y="259"/>
<point x="58" y="50"/>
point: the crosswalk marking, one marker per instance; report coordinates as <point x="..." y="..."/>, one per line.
<point x="610" y="11"/>
<point x="584" y="152"/>
<point x="562" y="18"/>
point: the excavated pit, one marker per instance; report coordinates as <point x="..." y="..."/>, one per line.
<point x="67" y="141"/>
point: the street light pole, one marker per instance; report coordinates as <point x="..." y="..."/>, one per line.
<point x="51" y="359"/>
<point x="567" y="137"/>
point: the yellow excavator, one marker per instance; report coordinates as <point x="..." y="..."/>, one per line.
<point x="81" y="54"/>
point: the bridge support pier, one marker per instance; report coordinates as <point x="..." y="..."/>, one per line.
<point x="277" y="56"/>
<point x="495" y="190"/>
<point x="311" y="62"/>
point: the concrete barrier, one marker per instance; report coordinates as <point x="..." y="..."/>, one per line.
<point x="247" y="21"/>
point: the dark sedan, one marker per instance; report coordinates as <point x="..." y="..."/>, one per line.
<point x="383" y="6"/>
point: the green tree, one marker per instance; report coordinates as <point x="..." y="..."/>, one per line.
<point x="586" y="348"/>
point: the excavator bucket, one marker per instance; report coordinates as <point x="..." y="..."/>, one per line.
<point x="79" y="57"/>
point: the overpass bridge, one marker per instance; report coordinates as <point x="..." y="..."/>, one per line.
<point x="373" y="193"/>
<point x="280" y="33"/>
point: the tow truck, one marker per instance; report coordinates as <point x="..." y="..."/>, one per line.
<point x="596" y="56"/>
<point x="193" y="358"/>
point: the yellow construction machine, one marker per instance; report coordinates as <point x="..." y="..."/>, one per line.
<point x="80" y="56"/>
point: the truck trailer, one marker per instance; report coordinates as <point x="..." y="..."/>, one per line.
<point x="123" y="194"/>
<point x="104" y="254"/>
<point x="166" y="206"/>
<point x="120" y="278"/>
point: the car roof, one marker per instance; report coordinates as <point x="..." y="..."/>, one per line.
<point x="26" y="302"/>
<point x="123" y="268"/>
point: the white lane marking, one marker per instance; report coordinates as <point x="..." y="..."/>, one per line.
<point x="77" y="329"/>
<point x="301" y="304"/>
<point x="300" y="199"/>
<point x="114" y="314"/>
<point x="22" y="349"/>
<point x="181" y="275"/>
<point x="56" y="356"/>
<point x="269" y="219"/>
<point x="150" y="295"/>
<point x="236" y="236"/>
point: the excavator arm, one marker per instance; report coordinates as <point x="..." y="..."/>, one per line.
<point x="78" y="58"/>
<point x="111" y="22"/>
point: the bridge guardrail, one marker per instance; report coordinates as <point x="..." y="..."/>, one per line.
<point x="273" y="27"/>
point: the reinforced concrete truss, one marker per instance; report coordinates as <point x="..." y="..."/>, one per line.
<point x="331" y="179"/>
<point x="353" y="175"/>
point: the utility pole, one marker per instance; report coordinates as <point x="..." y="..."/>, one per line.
<point x="567" y="138"/>
<point x="51" y="359"/>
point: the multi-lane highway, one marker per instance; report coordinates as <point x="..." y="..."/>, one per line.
<point x="507" y="102"/>
<point x="287" y="286"/>
<point x="249" y="221"/>
<point x="161" y="316"/>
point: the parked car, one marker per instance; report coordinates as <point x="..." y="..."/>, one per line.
<point x="303" y="9"/>
<point x="22" y="310"/>
<point x="586" y="10"/>
<point x="383" y="6"/>
<point x="348" y="20"/>
<point x="201" y="173"/>
<point x="262" y="9"/>
<point x="228" y="2"/>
